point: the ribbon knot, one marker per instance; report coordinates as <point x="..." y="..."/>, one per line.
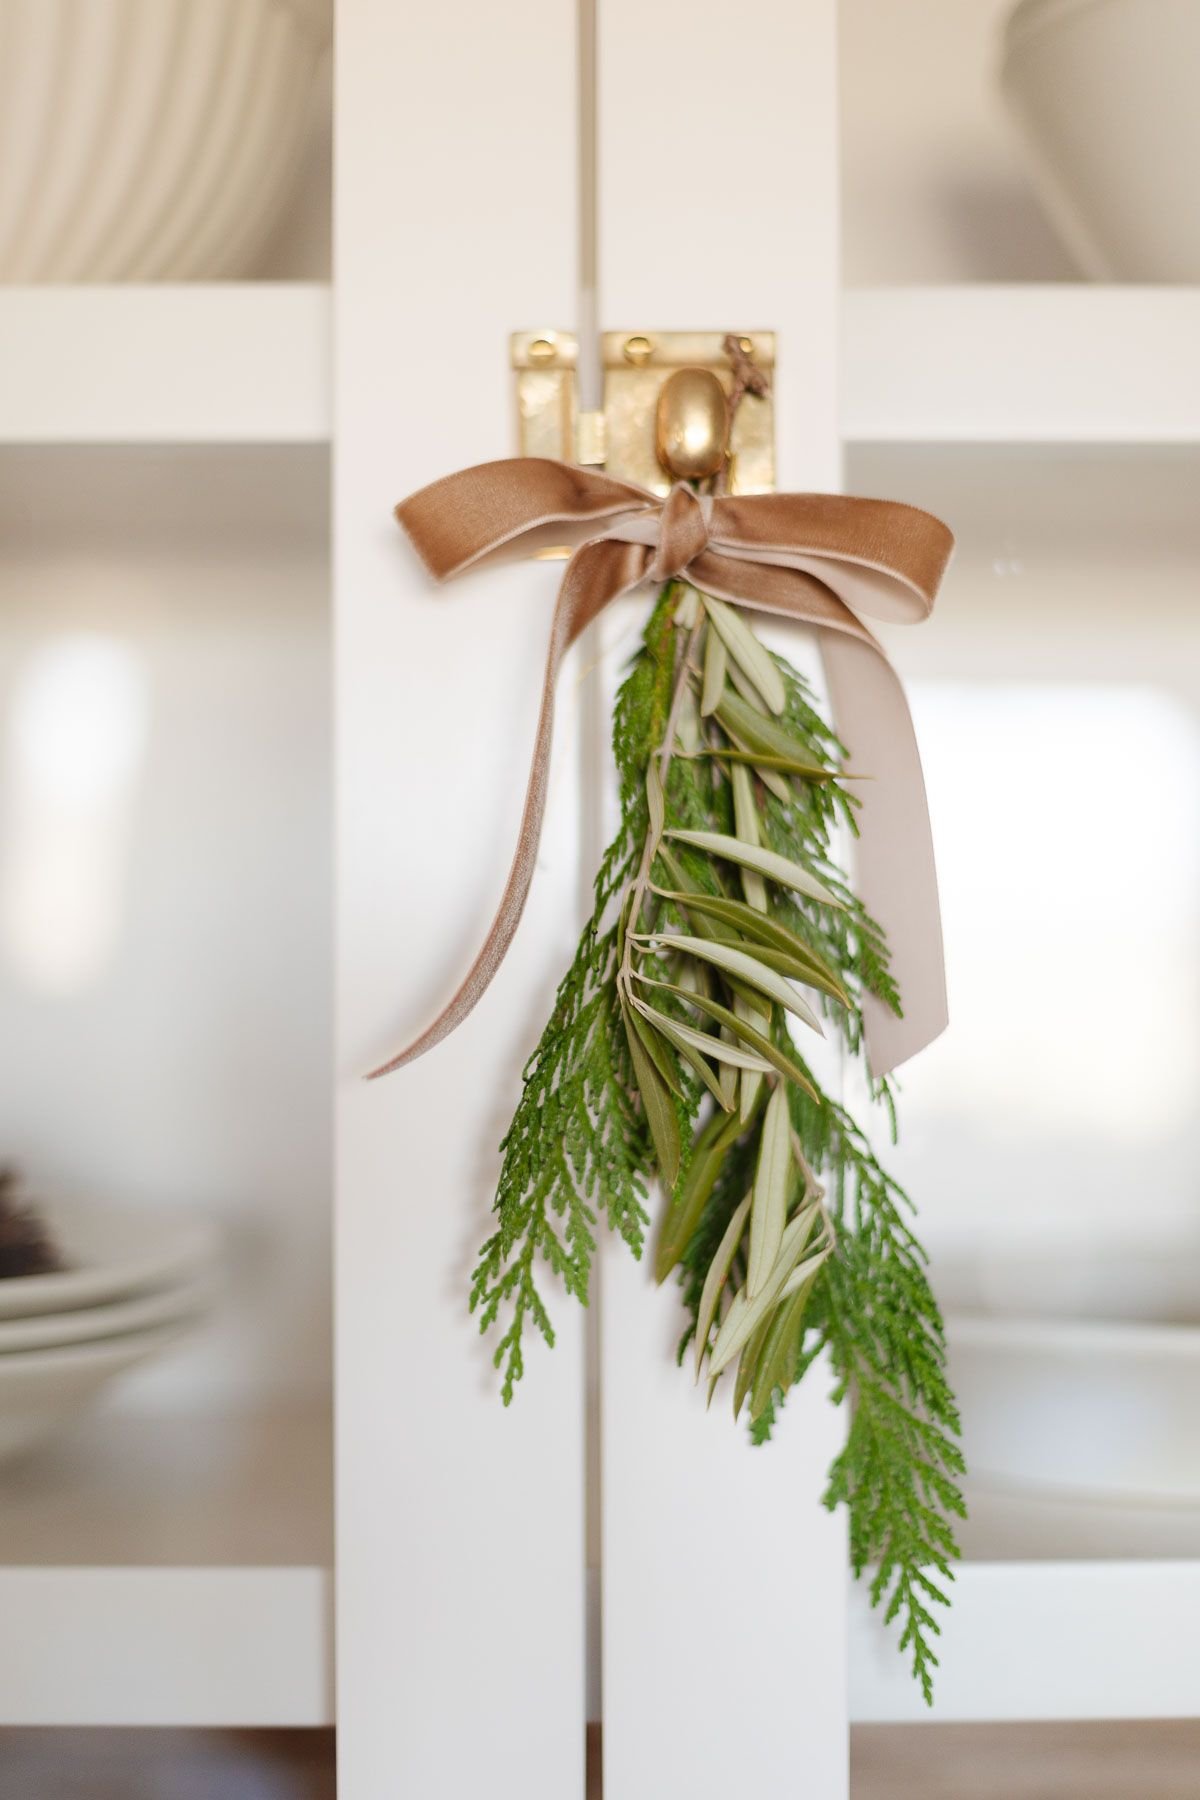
<point x="682" y="533"/>
<point x="822" y="560"/>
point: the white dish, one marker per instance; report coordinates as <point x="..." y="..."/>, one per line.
<point x="111" y="1253"/>
<point x="91" y="1324"/>
<point x="149" y="141"/>
<point x="1103" y="93"/>
<point x="42" y="1391"/>
<point x="1076" y="1364"/>
<point x="1096" y="1411"/>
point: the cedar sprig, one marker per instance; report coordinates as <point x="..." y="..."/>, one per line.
<point x="721" y="912"/>
<point x="578" y="1142"/>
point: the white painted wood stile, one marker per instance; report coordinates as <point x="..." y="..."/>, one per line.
<point x="461" y="1526"/>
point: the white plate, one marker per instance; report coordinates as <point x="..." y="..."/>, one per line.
<point x="90" y="1324"/>
<point x="42" y="1391"/>
<point x="112" y="1253"/>
<point x="1076" y="1363"/>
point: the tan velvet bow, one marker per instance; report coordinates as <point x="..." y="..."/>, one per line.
<point x="822" y="559"/>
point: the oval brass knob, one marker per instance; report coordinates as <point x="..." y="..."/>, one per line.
<point x="691" y="424"/>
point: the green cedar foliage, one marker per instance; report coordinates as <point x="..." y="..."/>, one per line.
<point x="719" y="912"/>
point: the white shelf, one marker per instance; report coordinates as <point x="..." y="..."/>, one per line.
<point x="1048" y="363"/>
<point x="170" y="1572"/>
<point x="1039" y="364"/>
<point x="239" y="363"/>
<point x="1058" y="1611"/>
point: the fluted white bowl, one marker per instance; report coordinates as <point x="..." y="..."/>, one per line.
<point x="1103" y="93"/>
<point x="149" y="140"/>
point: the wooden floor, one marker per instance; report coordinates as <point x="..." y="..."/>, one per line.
<point x="166" y="1765"/>
<point x="1026" y="1762"/>
<point x="927" y="1762"/>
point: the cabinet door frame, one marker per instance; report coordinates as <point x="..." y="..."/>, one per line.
<point x="459" y="1528"/>
<point x="724" y="1579"/>
<point x="461" y="1543"/>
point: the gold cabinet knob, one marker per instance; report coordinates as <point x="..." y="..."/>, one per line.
<point x="691" y="424"/>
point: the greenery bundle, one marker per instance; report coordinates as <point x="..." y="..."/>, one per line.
<point x="720" y="917"/>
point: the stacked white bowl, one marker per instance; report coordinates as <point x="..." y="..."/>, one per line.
<point x="130" y="1285"/>
<point x="150" y="140"/>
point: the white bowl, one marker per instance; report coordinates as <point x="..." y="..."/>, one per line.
<point x="89" y="1324"/>
<point x="1103" y="93"/>
<point x="44" y="1391"/>
<point x="1078" y="1372"/>
<point x="149" y="140"/>
<point x="111" y="1253"/>
<point x="1091" y="1411"/>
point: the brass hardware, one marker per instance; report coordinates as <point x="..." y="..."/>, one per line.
<point x="545" y="363"/>
<point x="624" y="437"/>
<point x="631" y="406"/>
<point x="691" y="420"/>
<point x="591" y="439"/>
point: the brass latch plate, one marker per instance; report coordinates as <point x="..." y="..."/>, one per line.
<point x="636" y="364"/>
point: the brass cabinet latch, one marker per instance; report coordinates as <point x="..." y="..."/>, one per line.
<point x="663" y="417"/>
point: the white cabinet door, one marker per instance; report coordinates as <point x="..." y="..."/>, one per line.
<point x="461" y="1542"/>
<point x="724" y="1580"/>
<point x="459" y="1523"/>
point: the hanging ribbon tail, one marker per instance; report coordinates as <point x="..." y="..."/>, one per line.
<point x="596" y="574"/>
<point x="819" y="559"/>
<point x="896" y="875"/>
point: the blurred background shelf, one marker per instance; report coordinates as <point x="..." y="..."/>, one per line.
<point x="228" y="363"/>
<point x="249" y="363"/>
<point x="1021" y="364"/>
<point x="1031" y="1631"/>
<point x="170" y="1570"/>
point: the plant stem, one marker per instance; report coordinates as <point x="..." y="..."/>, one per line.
<point x="664" y="753"/>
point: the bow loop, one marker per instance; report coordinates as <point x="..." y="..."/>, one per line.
<point x="682" y="533"/>
<point x="822" y="560"/>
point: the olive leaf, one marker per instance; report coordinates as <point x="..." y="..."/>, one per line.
<point x="656" y="1050"/>
<point x="758" y="1020"/>
<point x="748" y="1035"/>
<point x="801" y="1275"/>
<point x="747" y="1312"/>
<point x="783" y="765"/>
<point x="745" y="966"/>
<point x="745" y="722"/>
<point x="661" y="1117"/>
<point x="768" y="1208"/>
<point x="776" y="1360"/>
<point x="780" y="869"/>
<point x="747" y="1362"/>
<point x="781" y="961"/>
<point x="687" y="609"/>
<point x="754" y="662"/>
<point x="711" y="1148"/>
<point x="714" y="1281"/>
<point x="723" y="1091"/>
<point x="702" y="1041"/>
<point x="767" y="932"/>
<point x="715" y="668"/>
<point x="745" y="820"/>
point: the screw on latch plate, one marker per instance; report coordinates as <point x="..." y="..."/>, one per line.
<point x="638" y="434"/>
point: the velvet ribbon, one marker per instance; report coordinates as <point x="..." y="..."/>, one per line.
<point x="825" y="560"/>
